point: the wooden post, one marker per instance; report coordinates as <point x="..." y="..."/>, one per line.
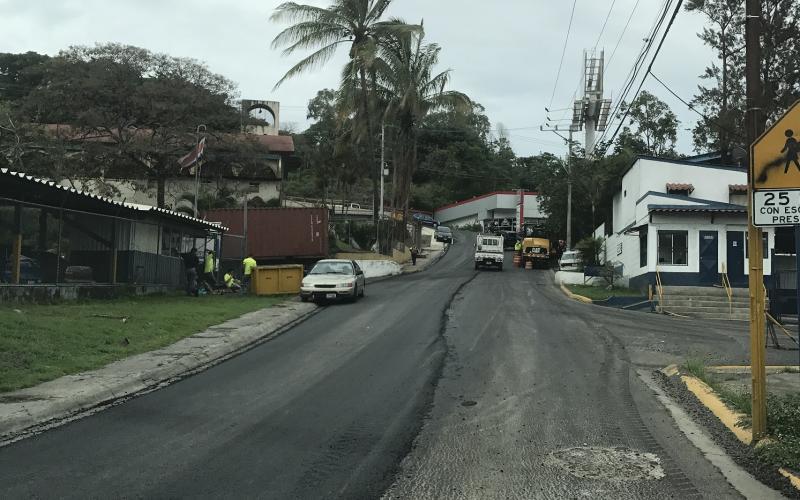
<point x="17" y="245"/>
<point x="754" y="127"/>
<point x="113" y="252"/>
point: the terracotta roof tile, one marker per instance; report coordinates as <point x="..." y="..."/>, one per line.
<point x="679" y="186"/>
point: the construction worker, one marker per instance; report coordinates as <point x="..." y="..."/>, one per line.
<point x="230" y="283"/>
<point x="518" y="247"/>
<point x="208" y="269"/>
<point x="248" y="266"/>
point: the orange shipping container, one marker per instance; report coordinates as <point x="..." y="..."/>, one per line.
<point x="274" y="233"/>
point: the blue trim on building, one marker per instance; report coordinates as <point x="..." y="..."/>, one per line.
<point x="687" y="198"/>
<point x="642" y="281"/>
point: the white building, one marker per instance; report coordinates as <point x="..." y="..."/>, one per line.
<point x="685" y="219"/>
<point x="500" y="207"/>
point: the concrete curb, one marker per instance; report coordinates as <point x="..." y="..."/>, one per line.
<point x="33" y="410"/>
<point x="728" y="417"/>
<point x="574" y="296"/>
<point x="406" y="272"/>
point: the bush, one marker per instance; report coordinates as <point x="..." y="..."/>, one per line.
<point x="591" y="249"/>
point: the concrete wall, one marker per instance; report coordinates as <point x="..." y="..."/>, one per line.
<point x="146" y="192"/>
<point x="378" y="268"/>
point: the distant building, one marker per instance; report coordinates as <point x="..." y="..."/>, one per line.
<point x="260" y="119"/>
<point x="684" y="219"/>
<point x="498" y="209"/>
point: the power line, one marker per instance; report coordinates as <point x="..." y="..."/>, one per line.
<point x="603" y="29"/>
<point x="690" y="106"/>
<point x="563" y="51"/>
<point x="650" y="66"/>
<point x="637" y="66"/>
<point x="628" y="22"/>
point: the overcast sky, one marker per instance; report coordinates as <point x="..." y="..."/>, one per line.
<point x="504" y="54"/>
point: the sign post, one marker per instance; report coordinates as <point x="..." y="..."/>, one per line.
<point x="774" y="201"/>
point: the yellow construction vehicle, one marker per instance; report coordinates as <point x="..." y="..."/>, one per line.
<point x="536" y="251"/>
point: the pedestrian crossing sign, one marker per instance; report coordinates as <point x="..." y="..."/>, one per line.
<point x="775" y="172"/>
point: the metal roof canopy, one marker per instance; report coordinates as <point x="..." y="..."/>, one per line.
<point x="23" y="188"/>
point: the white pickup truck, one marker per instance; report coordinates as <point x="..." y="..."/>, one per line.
<point x="489" y="251"/>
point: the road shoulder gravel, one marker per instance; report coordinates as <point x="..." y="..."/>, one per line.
<point x="741" y="454"/>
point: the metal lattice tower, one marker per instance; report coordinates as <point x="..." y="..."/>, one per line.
<point x="591" y="110"/>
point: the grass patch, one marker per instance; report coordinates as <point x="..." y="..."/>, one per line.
<point x="43" y="342"/>
<point x="601" y="293"/>
<point x="783" y="418"/>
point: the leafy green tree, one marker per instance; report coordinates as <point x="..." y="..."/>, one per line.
<point x="356" y="23"/>
<point x="19" y="74"/>
<point x="138" y="109"/>
<point x="723" y="100"/>
<point x="656" y="125"/>
<point x="412" y="89"/>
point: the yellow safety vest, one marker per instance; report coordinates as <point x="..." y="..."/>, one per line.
<point x="209" y="264"/>
<point x="249" y="264"/>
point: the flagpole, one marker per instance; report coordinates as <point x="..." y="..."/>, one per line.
<point x="197" y="171"/>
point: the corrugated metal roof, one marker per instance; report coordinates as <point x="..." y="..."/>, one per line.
<point x="48" y="184"/>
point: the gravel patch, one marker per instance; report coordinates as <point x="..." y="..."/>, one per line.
<point x="742" y="454"/>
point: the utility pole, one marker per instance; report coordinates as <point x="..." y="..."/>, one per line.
<point x="569" y="192"/>
<point x="383" y="162"/>
<point x="755" y="126"/>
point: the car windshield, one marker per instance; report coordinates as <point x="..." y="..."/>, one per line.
<point x="332" y="268"/>
<point x="444" y="229"/>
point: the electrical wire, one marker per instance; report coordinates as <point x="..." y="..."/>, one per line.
<point x="691" y="107"/>
<point x="649" y="67"/>
<point x="563" y="52"/>
<point x="603" y="29"/>
<point x="627" y="23"/>
<point x="634" y="72"/>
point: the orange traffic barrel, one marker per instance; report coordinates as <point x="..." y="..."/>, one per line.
<point x="528" y="264"/>
<point x="517" y="260"/>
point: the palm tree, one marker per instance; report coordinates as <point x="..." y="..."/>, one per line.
<point x="354" y="22"/>
<point x="411" y="89"/>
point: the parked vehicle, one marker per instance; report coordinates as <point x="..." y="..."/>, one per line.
<point x="443" y="234"/>
<point x="570" y="261"/>
<point x="489" y="251"/>
<point x="29" y="271"/>
<point x="425" y="219"/>
<point x="510" y="238"/>
<point x="333" y="279"/>
<point x="536" y="251"/>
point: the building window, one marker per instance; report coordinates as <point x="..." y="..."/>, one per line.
<point x="673" y="247"/>
<point x="643" y="247"/>
<point x="254" y="187"/>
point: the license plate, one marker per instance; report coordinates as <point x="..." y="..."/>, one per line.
<point x="330" y="295"/>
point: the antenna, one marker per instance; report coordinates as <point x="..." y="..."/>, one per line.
<point x="591" y="110"/>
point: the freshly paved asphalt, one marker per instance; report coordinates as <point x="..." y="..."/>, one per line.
<point x="398" y="395"/>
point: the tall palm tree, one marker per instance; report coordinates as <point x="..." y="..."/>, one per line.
<point x="407" y="81"/>
<point x="354" y="22"/>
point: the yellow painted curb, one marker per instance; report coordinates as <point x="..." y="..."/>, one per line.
<point x="670" y="371"/>
<point x="792" y="478"/>
<point x="728" y="417"/>
<point x="575" y="296"/>
<point x="709" y="398"/>
<point x="746" y="368"/>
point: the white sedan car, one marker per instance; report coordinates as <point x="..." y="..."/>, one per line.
<point x="333" y="279"/>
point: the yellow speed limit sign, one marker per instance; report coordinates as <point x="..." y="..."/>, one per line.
<point x="775" y="172"/>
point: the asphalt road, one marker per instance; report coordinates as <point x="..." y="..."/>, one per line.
<point x="449" y="383"/>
